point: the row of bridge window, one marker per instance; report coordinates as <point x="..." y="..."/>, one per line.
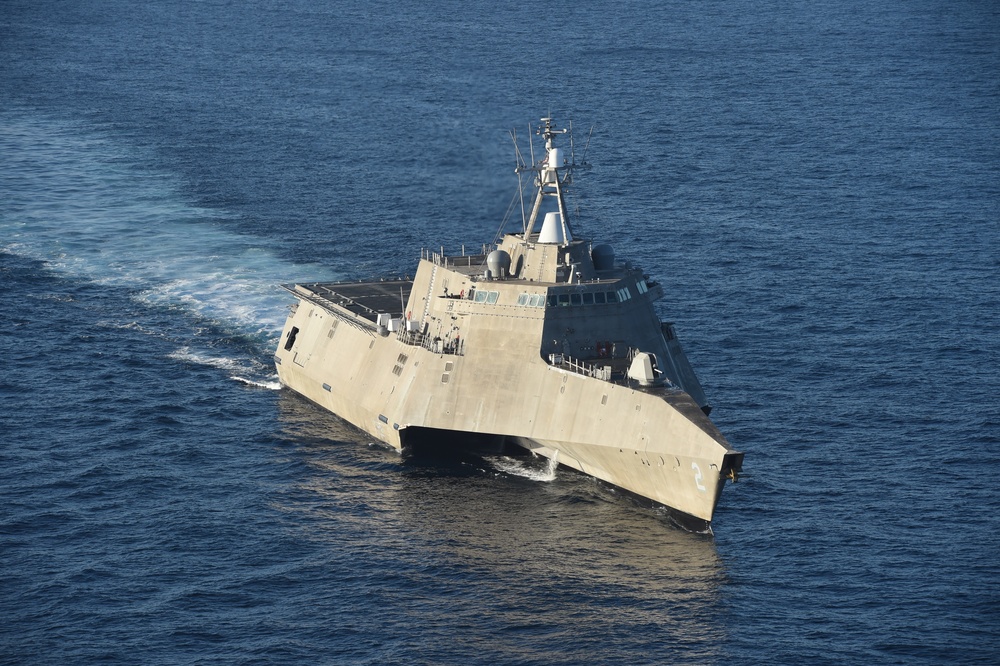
<point x="565" y="299"/>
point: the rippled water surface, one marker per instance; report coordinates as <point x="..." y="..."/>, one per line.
<point x="817" y="187"/>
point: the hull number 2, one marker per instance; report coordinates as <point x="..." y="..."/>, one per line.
<point x="697" y="477"/>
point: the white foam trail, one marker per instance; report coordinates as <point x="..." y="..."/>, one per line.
<point x="76" y="201"/>
<point x="200" y="358"/>
<point x="272" y="385"/>
<point x="520" y="467"/>
<point x="230" y="365"/>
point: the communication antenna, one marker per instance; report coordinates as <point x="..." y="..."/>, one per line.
<point x="583" y="160"/>
<point x="519" y="170"/>
<point x="531" y="145"/>
<point x="572" y="145"/>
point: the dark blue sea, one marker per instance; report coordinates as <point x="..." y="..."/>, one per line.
<point x="817" y="185"/>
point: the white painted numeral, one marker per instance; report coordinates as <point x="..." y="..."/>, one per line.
<point x="697" y="476"/>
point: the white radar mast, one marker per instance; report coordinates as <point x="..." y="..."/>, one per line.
<point x="553" y="173"/>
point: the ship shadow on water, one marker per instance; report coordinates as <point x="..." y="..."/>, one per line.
<point x="444" y="449"/>
<point x="441" y="450"/>
<point x="526" y="559"/>
<point x="449" y="456"/>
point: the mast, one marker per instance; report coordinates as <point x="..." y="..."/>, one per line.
<point x="553" y="173"/>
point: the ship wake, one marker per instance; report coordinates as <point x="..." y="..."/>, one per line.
<point x="528" y="468"/>
<point x="105" y="218"/>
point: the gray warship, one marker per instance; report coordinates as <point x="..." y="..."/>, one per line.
<point x="543" y="340"/>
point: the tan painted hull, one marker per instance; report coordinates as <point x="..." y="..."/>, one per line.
<point x="654" y="443"/>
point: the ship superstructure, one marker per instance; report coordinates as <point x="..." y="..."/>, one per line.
<point x="544" y="340"/>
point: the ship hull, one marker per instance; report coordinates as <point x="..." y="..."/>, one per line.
<point x="656" y="443"/>
<point x="545" y="339"/>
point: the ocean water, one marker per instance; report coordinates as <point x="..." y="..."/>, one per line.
<point x="816" y="185"/>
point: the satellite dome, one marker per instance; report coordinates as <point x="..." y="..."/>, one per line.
<point x="498" y="263"/>
<point x="604" y="257"/>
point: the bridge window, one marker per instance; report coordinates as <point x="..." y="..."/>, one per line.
<point x="584" y="298"/>
<point x="492" y="297"/>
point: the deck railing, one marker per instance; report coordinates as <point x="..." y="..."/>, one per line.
<point x="454" y="261"/>
<point x="433" y="344"/>
<point x="581" y="368"/>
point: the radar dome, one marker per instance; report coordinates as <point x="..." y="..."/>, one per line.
<point x="604" y="257"/>
<point x="552" y="230"/>
<point x="498" y="263"/>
